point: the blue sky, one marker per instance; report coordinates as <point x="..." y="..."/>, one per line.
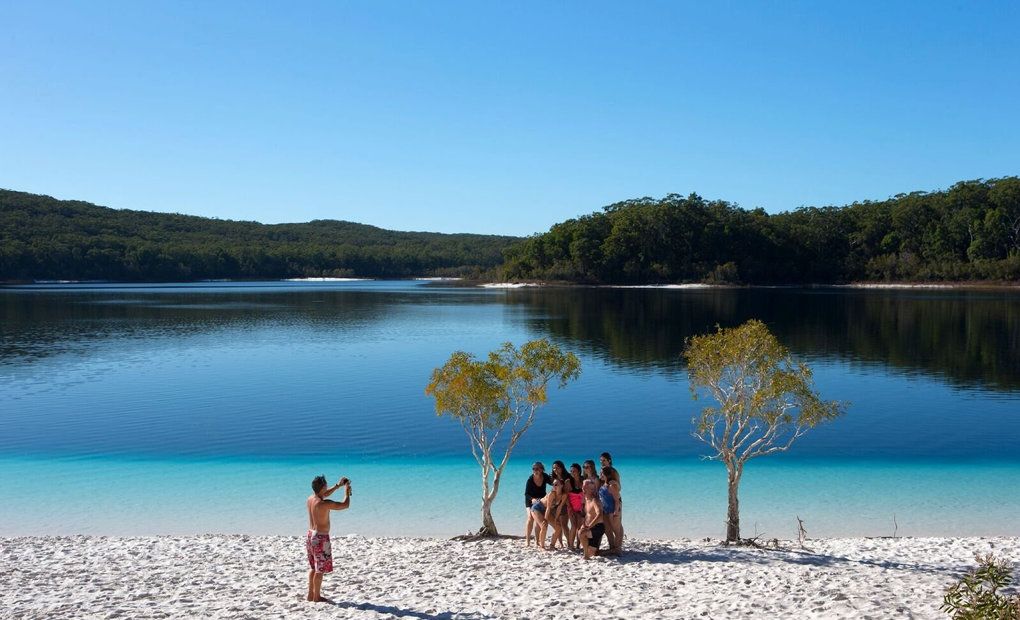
<point x="500" y="117"/>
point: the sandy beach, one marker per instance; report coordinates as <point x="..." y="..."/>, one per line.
<point x="262" y="577"/>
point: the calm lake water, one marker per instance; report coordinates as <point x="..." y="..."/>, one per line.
<point x="198" y="398"/>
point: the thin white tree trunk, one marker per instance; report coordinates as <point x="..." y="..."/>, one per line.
<point x="733" y="505"/>
<point x="488" y="525"/>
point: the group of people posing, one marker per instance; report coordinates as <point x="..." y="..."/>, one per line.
<point x="582" y="506"/>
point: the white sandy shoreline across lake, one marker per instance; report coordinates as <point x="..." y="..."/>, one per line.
<point x="238" y="576"/>
<point x="662" y="286"/>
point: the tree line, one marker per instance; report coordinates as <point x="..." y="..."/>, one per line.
<point x="42" y="238"/>
<point x="969" y="232"/>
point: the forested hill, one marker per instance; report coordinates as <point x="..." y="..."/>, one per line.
<point x="969" y="232"/>
<point x="43" y="238"/>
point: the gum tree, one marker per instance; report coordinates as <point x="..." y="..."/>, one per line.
<point x="765" y="401"/>
<point x="495" y="401"/>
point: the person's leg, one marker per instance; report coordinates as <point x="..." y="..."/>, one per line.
<point x="541" y="527"/>
<point x="557" y="533"/>
<point x="607" y="521"/>
<point x="618" y="525"/>
<point x="612" y="529"/>
<point x="619" y="528"/>
<point x="586" y="544"/>
<point x="528" y="524"/>
<point x="317" y="587"/>
<point x="310" y="552"/>
<point x="597" y="533"/>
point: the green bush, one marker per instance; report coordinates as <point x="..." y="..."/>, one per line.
<point x="976" y="596"/>
<point x="727" y="273"/>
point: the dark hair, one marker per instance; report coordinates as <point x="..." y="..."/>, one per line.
<point x="607" y="456"/>
<point x="611" y="474"/>
<point x="563" y="467"/>
<point x="318" y="484"/>
<point x="590" y="463"/>
<point x="575" y="465"/>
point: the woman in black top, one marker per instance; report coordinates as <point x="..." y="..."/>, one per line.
<point x="534" y="490"/>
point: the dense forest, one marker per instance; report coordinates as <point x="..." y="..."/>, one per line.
<point x="969" y="232"/>
<point x="42" y="238"/>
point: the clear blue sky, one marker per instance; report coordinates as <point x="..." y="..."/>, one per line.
<point x="501" y="117"/>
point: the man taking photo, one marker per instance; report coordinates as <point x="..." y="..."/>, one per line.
<point x="320" y="553"/>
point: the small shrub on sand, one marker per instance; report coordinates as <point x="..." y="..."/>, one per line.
<point x="976" y="596"/>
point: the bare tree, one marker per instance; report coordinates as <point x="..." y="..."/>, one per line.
<point x="765" y="401"/>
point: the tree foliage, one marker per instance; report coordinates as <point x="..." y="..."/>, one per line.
<point x="495" y="401"/>
<point x="42" y="238"/>
<point x="978" y="595"/>
<point x="970" y="231"/>
<point x="765" y="400"/>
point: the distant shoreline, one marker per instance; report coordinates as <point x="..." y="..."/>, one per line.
<point x="701" y="285"/>
<point x="467" y="282"/>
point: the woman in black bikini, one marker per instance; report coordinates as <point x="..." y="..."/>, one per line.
<point x="559" y="472"/>
<point x="555" y="509"/>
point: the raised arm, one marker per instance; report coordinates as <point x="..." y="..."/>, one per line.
<point x="333" y="488"/>
<point x="340" y="505"/>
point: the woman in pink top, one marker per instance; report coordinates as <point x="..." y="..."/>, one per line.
<point x="575" y="495"/>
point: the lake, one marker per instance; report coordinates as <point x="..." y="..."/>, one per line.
<point x="208" y="407"/>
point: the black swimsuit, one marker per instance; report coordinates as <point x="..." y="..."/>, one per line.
<point x="535" y="491"/>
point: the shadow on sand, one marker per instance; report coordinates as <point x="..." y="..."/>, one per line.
<point x="665" y="554"/>
<point x="399" y="612"/>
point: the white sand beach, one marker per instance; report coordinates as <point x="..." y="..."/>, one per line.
<point x="928" y="285"/>
<point x="692" y="285"/>
<point x="265" y="577"/>
<point x="327" y="279"/>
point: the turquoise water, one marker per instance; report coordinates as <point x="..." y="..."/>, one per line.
<point x="208" y="408"/>
<point x="439" y="496"/>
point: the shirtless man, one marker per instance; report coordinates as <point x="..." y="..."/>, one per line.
<point x="592" y="529"/>
<point x="320" y="554"/>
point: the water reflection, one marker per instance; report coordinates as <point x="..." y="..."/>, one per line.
<point x="262" y="370"/>
<point x="970" y="338"/>
<point x="37" y="323"/>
